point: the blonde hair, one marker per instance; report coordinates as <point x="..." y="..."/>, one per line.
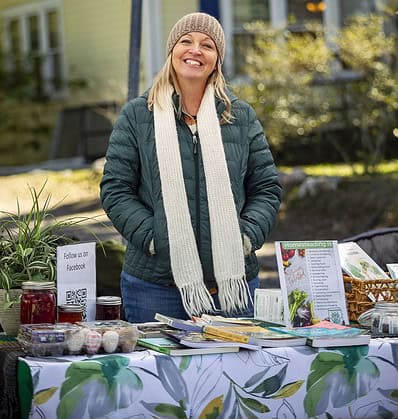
<point x="167" y="77"/>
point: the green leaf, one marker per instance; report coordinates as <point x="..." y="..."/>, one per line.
<point x="43" y="396"/>
<point x="254" y="404"/>
<point x="288" y="390"/>
<point x="185" y="363"/>
<point x="322" y="365"/>
<point x="355" y="374"/>
<point x="213" y="409"/>
<point x="26" y="252"/>
<point x="109" y="377"/>
<point x="165" y="410"/>
<point x="271" y="384"/>
<point x="255" y="378"/>
<point x="75" y="397"/>
<point x="78" y="372"/>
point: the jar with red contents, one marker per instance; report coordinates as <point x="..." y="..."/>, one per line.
<point x="108" y="308"/>
<point x="38" y="302"/>
<point x="70" y="313"/>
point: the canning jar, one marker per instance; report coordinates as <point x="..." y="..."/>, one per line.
<point x="70" y="313"/>
<point x="384" y="319"/>
<point x="38" y="302"/>
<point x="108" y="308"/>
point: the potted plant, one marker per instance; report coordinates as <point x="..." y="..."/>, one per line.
<point x="28" y="251"/>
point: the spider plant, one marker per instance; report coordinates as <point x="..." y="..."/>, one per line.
<point x="28" y="243"/>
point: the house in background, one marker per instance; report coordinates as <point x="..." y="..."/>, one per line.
<point x="78" y="50"/>
<point x="70" y="40"/>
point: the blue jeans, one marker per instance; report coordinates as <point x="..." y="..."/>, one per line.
<point x="142" y="299"/>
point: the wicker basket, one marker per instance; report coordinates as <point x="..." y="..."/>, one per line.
<point x="361" y="294"/>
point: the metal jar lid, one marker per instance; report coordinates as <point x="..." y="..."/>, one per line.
<point x="109" y="301"/>
<point x="38" y="285"/>
<point x="71" y="308"/>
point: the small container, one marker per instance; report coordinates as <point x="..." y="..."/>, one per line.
<point x="108" y="308"/>
<point x="38" y="302"/>
<point x="384" y="319"/>
<point x="70" y="313"/>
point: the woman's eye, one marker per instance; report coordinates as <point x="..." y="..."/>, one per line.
<point x="208" y="46"/>
<point x="185" y="41"/>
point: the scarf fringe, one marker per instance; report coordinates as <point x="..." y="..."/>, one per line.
<point x="196" y="299"/>
<point x="234" y="294"/>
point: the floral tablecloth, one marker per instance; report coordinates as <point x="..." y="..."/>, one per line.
<point x="300" y="382"/>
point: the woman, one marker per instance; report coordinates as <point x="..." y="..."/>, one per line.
<point x="190" y="183"/>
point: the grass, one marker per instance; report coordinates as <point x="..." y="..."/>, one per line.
<point x="360" y="203"/>
<point x="345" y="170"/>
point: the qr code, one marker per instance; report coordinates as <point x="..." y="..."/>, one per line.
<point x="78" y="296"/>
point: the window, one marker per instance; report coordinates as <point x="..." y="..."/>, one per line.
<point x="244" y="12"/>
<point x="34" y="44"/>
<point x="301" y="13"/>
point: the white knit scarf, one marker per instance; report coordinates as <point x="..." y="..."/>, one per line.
<point x="227" y="251"/>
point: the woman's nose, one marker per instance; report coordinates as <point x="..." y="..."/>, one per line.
<point x="196" y="48"/>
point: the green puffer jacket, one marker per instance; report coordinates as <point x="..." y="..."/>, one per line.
<point x="132" y="198"/>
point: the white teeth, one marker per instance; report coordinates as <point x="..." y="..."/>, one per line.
<point x="191" y="62"/>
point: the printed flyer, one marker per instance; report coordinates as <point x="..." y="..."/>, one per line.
<point x="76" y="277"/>
<point x="311" y="281"/>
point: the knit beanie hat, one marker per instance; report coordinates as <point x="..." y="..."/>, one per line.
<point x="198" y="22"/>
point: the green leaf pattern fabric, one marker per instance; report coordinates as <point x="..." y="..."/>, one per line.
<point x="300" y="382"/>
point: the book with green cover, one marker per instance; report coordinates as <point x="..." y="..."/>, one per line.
<point x="170" y="347"/>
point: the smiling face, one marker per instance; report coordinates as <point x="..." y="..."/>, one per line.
<point x="194" y="57"/>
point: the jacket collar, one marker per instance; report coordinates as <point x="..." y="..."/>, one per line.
<point x="220" y="105"/>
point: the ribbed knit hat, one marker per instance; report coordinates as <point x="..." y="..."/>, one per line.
<point x="198" y="22"/>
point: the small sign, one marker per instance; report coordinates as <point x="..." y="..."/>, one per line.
<point x="268" y="305"/>
<point x="76" y="277"/>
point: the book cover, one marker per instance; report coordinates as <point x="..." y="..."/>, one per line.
<point x="356" y="263"/>
<point x="393" y="270"/>
<point x="328" y="342"/>
<point x="203" y="340"/>
<point x="253" y="335"/>
<point x="180" y="324"/>
<point x="311" y="282"/>
<point x="323" y="329"/>
<point x="170" y="347"/>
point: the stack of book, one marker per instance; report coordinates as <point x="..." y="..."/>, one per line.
<point x="214" y="334"/>
<point x="327" y="334"/>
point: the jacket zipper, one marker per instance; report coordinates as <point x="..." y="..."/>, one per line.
<point x="197" y="187"/>
<point x="195" y="144"/>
